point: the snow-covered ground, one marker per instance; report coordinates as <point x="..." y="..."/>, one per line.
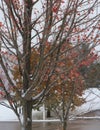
<point x="92" y="103"/>
<point x="92" y="98"/>
<point x="6" y="114"/>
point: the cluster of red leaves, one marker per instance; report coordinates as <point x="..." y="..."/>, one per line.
<point x="57" y="5"/>
<point x="2" y="93"/>
<point x="55" y="9"/>
<point x="65" y="71"/>
<point x="74" y="74"/>
<point x="89" y="60"/>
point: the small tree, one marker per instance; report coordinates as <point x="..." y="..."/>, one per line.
<point x="29" y="25"/>
<point x="70" y="83"/>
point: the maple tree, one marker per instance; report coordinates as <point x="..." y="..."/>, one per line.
<point x="67" y="92"/>
<point x="34" y="37"/>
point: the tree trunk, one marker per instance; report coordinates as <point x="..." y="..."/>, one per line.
<point x="26" y="122"/>
<point x="64" y="125"/>
<point x="48" y="113"/>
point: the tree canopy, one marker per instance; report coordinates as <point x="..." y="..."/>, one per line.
<point x="38" y="43"/>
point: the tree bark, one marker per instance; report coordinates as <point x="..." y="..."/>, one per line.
<point x="26" y="123"/>
<point x="48" y="113"/>
<point x="64" y="125"/>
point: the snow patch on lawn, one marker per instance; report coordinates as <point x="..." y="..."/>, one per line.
<point x="92" y="97"/>
<point x="7" y="114"/>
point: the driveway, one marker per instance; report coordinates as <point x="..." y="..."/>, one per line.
<point x="84" y="125"/>
<point x="73" y="125"/>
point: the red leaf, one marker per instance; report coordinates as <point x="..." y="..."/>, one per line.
<point x="55" y="9"/>
<point x="1" y="93"/>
